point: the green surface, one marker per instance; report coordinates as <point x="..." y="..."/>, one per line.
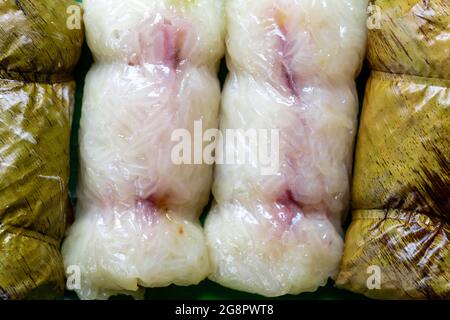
<point x="207" y="289"/>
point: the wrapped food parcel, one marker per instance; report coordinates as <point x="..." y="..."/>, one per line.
<point x="38" y="50"/>
<point x="276" y="225"/>
<point x="154" y="74"/>
<point x="398" y="244"/>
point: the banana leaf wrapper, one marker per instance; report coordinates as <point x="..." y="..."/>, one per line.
<point x="401" y="191"/>
<point x="37" y="55"/>
<point x="398" y="244"/>
<point x="413" y="37"/>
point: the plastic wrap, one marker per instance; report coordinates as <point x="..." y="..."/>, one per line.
<point x="37" y="55"/>
<point x="397" y="246"/>
<point x="293" y="65"/>
<point x="137" y="215"/>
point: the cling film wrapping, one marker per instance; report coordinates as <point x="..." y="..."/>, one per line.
<point x="37" y="55"/>
<point x="397" y="246"/>
<point x="137" y="217"/>
<point x="276" y="226"/>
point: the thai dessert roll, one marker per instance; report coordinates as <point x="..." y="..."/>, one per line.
<point x="397" y="246"/>
<point x="275" y="227"/>
<point x="137" y="215"/>
<point x="40" y="45"/>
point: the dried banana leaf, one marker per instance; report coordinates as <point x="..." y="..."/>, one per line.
<point x="398" y="245"/>
<point x="401" y="191"/>
<point x="35" y="41"/>
<point x="37" y="54"/>
<point x="413" y="38"/>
